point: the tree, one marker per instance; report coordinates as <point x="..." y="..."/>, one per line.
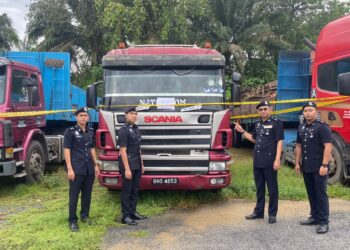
<point x="50" y="26"/>
<point x="67" y="25"/>
<point x="160" y="21"/>
<point x="8" y="36"/>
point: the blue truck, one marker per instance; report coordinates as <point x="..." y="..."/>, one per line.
<point x="32" y="82"/>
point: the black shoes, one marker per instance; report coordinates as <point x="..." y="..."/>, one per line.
<point x="87" y="220"/>
<point x="137" y="216"/>
<point x="129" y="221"/>
<point x="322" y="228"/>
<point x="272" y="219"/>
<point x="73" y="226"/>
<point x="309" y="222"/>
<point x="254" y="216"/>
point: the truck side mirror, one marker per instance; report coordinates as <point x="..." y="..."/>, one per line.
<point x="236" y="88"/>
<point x="236" y="77"/>
<point x="33" y="96"/>
<point x="235" y="93"/>
<point x="344" y="83"/>
<point x="91" y="95"/>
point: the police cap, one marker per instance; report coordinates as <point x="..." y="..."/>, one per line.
<point x="82" y="109"/>
<point x="130" y="109"/>
<point x="310" y="104"/>
<point x="262" y="104"/>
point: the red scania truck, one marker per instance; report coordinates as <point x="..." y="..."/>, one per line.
<point x="184" y="143"/>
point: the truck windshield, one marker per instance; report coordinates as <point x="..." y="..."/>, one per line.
<point x="2" y="83"/>
<point x="164" y="87"/>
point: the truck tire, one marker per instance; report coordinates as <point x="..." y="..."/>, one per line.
<point x="35" y="162"/>
<point x="336" y="172"/>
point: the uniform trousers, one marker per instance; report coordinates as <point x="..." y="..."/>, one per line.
<point x="316" y="187"/>
<point x="83" y="184"/>
<point x="268" y="176"/>
<point x="130" y="192"/>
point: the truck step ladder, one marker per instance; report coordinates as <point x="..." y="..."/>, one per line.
<point x="20" y="174"/>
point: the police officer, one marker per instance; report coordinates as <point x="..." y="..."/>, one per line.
<point x="80" y="156"/>
<point x="313" y="148"/>
<point x="268" y="137"/>
<point x="131" y="167"/>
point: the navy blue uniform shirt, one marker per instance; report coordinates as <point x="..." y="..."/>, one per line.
<point x="80" y="143"/>
<point x="129" y="136"/>
<point x="266" y="134"/>
<point x="312" y="138"/>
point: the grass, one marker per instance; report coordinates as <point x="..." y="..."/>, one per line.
<point x="35" y="216"/>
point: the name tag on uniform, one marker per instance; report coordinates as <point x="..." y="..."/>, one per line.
<point x="267" y="126"/>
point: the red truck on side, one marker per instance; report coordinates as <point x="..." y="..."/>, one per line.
<point x="183" y="147"/>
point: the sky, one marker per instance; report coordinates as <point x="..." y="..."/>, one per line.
<point x="16" y="10"/>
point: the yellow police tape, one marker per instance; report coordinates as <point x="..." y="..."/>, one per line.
<point x="290" y="110"/>
<point x="34" y="113"/>
<point x="327" y="101"/>
<point x="226" y="103"/>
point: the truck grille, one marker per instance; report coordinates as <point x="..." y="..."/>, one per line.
<point x="182" y="149"/>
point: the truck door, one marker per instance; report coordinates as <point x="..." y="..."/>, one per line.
<point x="20" y="97"/>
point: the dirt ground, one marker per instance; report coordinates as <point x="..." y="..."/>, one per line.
<point x="206" y="226"/>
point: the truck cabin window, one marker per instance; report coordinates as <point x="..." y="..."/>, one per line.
<point x="150" y="85"/>
<point x="2" y="83"/>
<point x="19" y="92"/>
<point x="328" y="74"/>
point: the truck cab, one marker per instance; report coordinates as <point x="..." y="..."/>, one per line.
<point x="20" y="91"/>
<point x="184" y="142"/>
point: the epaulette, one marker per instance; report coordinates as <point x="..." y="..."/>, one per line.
<point x="274" y="118"/>
<point x="91" y="129"/>
<point x="320" y="121"/>
<point x="71" y="128"/>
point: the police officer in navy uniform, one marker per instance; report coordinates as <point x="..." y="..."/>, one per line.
<point x="80" y="156"/>
<point x="313" y="150"/>
<point x="131" y="167"/>
<point x="268" y="137"/>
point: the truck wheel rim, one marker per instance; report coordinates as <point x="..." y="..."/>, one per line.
<point x="36" y="163"/>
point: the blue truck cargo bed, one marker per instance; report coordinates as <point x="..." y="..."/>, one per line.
<point x="294" y="81"/>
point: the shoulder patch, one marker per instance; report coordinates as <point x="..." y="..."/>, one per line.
<point x="322" y="122"/>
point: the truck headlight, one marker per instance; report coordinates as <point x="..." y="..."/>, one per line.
<point x="110" y="166"/>
<point x="217" y="166"/>
<point x="9" y="153"/>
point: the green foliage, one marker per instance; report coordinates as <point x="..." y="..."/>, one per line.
<point x="259" y="71"/>
<point x="87" y="75"/>
<point x="8" y="36"/>
<point x="244" y="31"/>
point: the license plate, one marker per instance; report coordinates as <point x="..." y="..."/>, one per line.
<point x="165" y="181"/>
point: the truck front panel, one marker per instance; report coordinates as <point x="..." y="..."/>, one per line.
<point x="176" y="150"/>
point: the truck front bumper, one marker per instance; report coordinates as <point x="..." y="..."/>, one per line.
<point x="113" y="180"/>
<point x="8" y="168"/>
